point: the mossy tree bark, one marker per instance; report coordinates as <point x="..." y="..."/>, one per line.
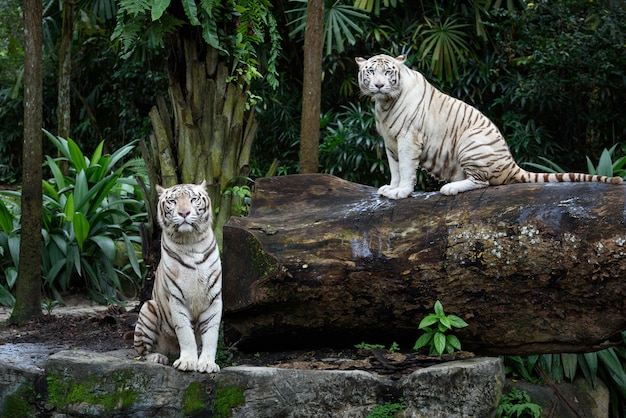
<point x="533" y="268"/>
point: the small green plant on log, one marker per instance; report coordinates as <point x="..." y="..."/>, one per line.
<point x="517" y="404"/>
<point x="393" y="348"/>
<point x="436" y="326"/>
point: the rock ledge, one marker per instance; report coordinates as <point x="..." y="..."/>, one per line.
<point x="86" y="384"/>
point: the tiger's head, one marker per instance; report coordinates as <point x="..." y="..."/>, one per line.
<point x="379" y="76"/>
<point x="184" y="209"/>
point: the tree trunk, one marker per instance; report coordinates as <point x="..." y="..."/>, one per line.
<point x="65" y="71"/>
<point x="209" y="136"/>
<point x="213" y="126"/>
<point x="312" y="87"/>
<point x="533" y="268"/>
<point x="28" y="285"/>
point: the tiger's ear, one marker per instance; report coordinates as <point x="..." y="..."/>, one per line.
<point x="401" y="59"/>
<point x="360" y="61"/>
<point x="203" y="184"/>
<point x="159" y="189"/>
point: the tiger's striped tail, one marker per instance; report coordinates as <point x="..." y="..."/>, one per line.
<point x="529" y="177"/>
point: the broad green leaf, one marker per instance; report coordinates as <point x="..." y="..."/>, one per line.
<point x="158" y="7"/>
<point x="6" y="219"/>
<point x="81" y="189"/>
<point x="69" y="209"/>
<point x="557" y="368"/>
<point x="81" y="229"/>
<point x="59" y="143"/>
<point x="614" y="368"/>
<point x="209" y="34"/>
<point x="456" y="321"/>
<point x="73" y="260"/>
<point x="106" y="244"/>
<point x="96" y="156"/>
<point x="570" y="365"/>
<point x="588" y="363"/>
<point x="445" y="321"/>
<point x="439" y="309"/>
<point x="619" y="164"/>
<point x="453" y="342"/>
<point x="50" y="191"/>
<point x="14" y="249"/>
<point x="549" y="167"/>
<point x="605" y="165"/>
<point x="111" y="276"/>
<point x="439" y="343"/>
<point x="545" y="362"/>
<point x="423" y="341"/>
<point x="11" y="276"/>
<point x="6" y="298"/>
<point x="191" y="10"/>
<point x="97" y="193"/>
<point x="60" y="242"/>
<point x="77" y="158"/>
<point x="58" y="176"/>
<point x="118" y="155"/>
<point x="132" y="256"/>
<point x="52" y="273"/>
<point x="428" y="320"/>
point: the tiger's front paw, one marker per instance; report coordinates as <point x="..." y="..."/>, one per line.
<point x="156" y="358"/>
<point x="449" y="190"/>
<point x="395" y="192"/>
<point x="208" y="367"/>
<point x="186" y="364"/>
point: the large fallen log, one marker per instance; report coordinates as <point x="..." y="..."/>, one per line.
<point x="533" y="268"/>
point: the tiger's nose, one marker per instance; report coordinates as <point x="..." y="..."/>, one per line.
<point x="184" y="214"/>
<point x="379" y="85"/>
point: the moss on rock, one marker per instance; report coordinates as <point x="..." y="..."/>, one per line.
<point x="226" y="399"/>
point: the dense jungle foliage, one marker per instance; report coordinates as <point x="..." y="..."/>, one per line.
<point x="551" y="75"/>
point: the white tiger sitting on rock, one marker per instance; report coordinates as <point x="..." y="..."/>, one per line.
<point x="422" y="127"/>
<point x="186" y="304"/>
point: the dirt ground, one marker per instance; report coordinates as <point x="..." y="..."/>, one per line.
<point x="101" y="329"/>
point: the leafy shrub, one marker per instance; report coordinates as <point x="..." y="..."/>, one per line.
<point x="609" y="164"/>
<point x="436" y="337"/>
<point x="564" y="69"/>
<point x="517" y="404"/>
<point x="608" y="364"/>
<point x="351" y="148"/>
<point x="90" y="218"/>
<point x="387" y="410"/>
<point x="9" y="248"/>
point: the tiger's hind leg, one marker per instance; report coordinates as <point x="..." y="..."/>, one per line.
<point x="461" y="186"/>
<point x="150" y="342"/>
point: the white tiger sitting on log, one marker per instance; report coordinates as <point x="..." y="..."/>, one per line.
<point x="422" y="127"/>
<point x="186" y="304"/>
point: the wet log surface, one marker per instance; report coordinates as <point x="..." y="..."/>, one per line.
<point x="324" y="262"/>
